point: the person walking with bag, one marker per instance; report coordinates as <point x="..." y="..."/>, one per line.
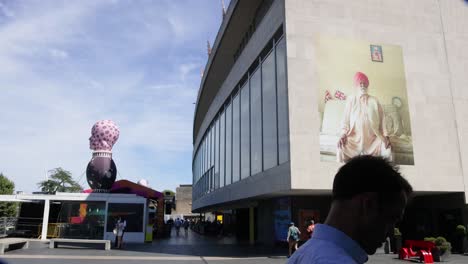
<point x="293" y="237"/>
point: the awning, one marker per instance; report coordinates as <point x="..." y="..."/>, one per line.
<point x="125" y="186"/>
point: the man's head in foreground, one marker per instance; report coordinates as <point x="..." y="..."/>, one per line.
<point x="369" y="198"/>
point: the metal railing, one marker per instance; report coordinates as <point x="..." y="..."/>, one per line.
<point x="6" y="224"/>
<point x="32" y="228"/>
<point x="19" y="226"/>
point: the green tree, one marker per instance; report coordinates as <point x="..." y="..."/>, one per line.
<point x="168" y="192"/>
<point x="7" y="209"/>
<point x="60" y="181"/>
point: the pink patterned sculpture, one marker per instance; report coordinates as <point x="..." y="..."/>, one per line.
<point x="104" y="134"/>
<point x="101" y="171"/>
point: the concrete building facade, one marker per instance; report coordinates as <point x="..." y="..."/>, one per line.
<point x="183" y="202"/>
<point x="262" y="152"/>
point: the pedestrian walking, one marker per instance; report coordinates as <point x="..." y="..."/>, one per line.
<point x="177" y="225"/>
<point x="293" y="238"/>
<point x="186" y="226"/>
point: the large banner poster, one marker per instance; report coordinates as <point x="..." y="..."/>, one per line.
<point x="363" y="102"/>
<point x="282" y="219"/>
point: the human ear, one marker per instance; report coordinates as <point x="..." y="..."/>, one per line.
<point x="368" y="202"/>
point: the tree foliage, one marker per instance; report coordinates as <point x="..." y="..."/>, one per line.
<point x="60" y="181"/>
<point x="171" y="193"/>
<point x="7" y="209"/>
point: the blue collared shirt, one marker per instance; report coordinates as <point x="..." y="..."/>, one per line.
<point x="329" y="245"/>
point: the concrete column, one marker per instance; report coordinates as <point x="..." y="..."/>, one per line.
<point x="145" y="220"/>
<point x="160" y="218"/>
<point x="45" y="219"/>
<point x="251" y="225"/>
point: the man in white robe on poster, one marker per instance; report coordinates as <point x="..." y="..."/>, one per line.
<point x="363" y="131"/>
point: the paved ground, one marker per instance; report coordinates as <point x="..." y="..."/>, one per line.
<point x="192" y="248"/>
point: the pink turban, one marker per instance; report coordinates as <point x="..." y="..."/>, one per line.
<point x="361" y="77"/>
<point x="104" y="134"/>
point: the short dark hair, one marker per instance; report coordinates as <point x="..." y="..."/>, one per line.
<point x="369" y="174"/>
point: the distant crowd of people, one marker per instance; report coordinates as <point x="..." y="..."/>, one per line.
<point x="178" y="224"/>
<point x="200" y="226"/>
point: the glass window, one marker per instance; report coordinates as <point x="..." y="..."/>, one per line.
<point x="204" y="159"/>
<point x="203" y="156"/>
<point x="83" y="220"/>
<point x="222" y="152"/>
<point x="206" y="154"/>
<point x="229" y="144"/>
<point x="255" y="123"/>
<point x="283" y="123"/>
<point x="131" y="213"/>
<point x="212" y="147"/>
<point x="236" y="138"/>
<point x="212" y="179"/>
<point x="211" y="157"/>
<point x="245" y="132"/>
<point x="270" y="147"/>
<point x="216" y="154"/>
<point x="198" y="163"/>
<point x="209" y="151"/>
<point x="195" y="166"/>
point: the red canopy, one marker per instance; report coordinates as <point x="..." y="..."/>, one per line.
<point x="124" y="186"/>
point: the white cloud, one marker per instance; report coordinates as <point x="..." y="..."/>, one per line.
<point x="58" y="54"/>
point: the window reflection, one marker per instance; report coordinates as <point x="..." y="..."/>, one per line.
<point x="270" y="144"/>
<point x="79" y="220"/>
<point x="255" y="123"/>
<point x="132" y="214"/>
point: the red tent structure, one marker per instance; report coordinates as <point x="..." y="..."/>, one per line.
<point x="125" y="186"/>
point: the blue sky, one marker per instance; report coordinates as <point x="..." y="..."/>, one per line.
<point x="66" y="64"/>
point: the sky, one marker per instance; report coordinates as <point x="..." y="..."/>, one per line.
<point x="66" y="64"/>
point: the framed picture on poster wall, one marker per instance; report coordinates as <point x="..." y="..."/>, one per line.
<point x="376" y="53"/>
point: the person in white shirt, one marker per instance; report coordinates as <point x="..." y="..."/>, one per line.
<point x="120" y="226"/>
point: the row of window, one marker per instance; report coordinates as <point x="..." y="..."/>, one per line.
<point x="250" y="133"/>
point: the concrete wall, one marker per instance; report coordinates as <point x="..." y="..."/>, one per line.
<point x="183" y="200"/>
<point x="454" y="15"/>
<point x="433" y="37"/>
